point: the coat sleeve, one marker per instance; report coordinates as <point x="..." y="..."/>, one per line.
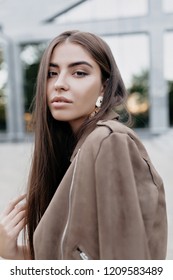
<point x="127" y="201"/>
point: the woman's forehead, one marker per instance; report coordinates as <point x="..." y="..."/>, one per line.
<point x="70" y="48"/>
<point x="68" y="52"/>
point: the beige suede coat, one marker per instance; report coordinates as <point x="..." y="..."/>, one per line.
<point x="109" y="205"/>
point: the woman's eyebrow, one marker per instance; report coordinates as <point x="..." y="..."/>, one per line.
<point x="80" y="63"/>
<point x="51" y="64"/>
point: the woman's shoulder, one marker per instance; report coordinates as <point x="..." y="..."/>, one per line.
<point x="115" y="126"/>
<point x="105" y="128"/>
<point x="113" y="131"/>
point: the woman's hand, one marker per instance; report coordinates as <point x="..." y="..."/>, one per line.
<point x="12" y="221"/>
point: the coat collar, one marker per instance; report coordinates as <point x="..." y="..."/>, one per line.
<point x="111" y="115"/>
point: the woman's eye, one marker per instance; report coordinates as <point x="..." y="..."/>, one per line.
<point x="80" y="74"/>
<point x="52" y="74"/>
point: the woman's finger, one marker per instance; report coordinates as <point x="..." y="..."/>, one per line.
<point x="12" y="231"/>
<point x="16" y="220"/>
<point x="12" y="204"/>
<point x="6" y="220"/>
<point x="17" y="229"/>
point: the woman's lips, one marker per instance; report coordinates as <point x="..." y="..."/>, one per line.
<point x="60" y="102"/>
<point x="60" y="99"/>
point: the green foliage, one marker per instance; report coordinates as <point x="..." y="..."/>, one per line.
<point x="30" y="84"/>
<point x="139" y="92"/>
<point x="140" y="84"/>
<point x="30" y="72"/>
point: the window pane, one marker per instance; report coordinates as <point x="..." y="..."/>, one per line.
<point x="168" y="58"/>
<point x="30" y="56"/>
<point x="132" y="56"/>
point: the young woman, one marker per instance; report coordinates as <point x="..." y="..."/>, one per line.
<point x="93" y="191"/>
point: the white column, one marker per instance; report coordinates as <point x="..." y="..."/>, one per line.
<point x="15" y="106"/>
<point x="159" y="120"/>
<point x="19" y="97"/>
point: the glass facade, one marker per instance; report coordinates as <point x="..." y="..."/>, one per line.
<point x="30" y="56"/>
<point x="134" y="68"/>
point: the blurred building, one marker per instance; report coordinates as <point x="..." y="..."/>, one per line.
<point x="25" y="23"/>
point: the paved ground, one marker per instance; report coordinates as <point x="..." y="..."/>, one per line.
<point x="15" y="160"/>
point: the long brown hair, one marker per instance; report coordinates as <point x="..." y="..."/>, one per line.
<point x="54" y="140"/>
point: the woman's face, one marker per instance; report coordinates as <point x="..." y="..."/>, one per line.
<point x="74" y="84"/>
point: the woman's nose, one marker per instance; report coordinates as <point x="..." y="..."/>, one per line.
<point x="61" y="83"/>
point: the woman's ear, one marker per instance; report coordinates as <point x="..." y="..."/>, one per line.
<point x="102" y="90"/>
<point x="103" y="87"/>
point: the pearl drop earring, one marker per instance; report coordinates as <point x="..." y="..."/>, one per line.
<point x="97" y="106"/>
<point x="99" y="101"/>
